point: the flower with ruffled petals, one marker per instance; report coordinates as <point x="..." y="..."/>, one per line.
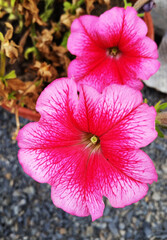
<point x="87" y="146"/>
<point x="112" y="48"/>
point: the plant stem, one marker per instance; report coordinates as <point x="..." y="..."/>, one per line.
<point x="2" y="64"/>
<point x="139" y="4"/>
<point x="125" y="3"/>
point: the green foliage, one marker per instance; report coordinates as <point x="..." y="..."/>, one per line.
<point x="3" y="4"/>
<point x="1" y="37"/>
<point x="12" y="3"/>
<point x="10" y="75"/>
<point x="30" y="50"/>
<point x="65" y="39"/>
<point x="11" y="95"/>
<point x="158" y="106"/>
<point x="47" y="11"/>
<point x="72" y="7"/>
<point x="160" y="133"/>
<point x="126" y="4"/>
<point x="140" y="14"/>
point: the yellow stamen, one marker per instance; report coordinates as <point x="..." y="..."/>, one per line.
<point x="114" y="51"/>
<point x="94" y="139"/>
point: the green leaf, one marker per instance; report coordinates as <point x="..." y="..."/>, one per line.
<point x="10" y="75"/>
<point x="48" y="3"/>
<point x="11" y="95"/>
<point x="67" y="6"/>
<point x="160" y="134"/>
<point x="126" y="4"/>
<point x="65" y="39"/>
<point x="162" y="106"/>
<point x="48" y="10"/>
<point x="38" y="82"/>
<point x="79" y="3"/>
<point x="4" y="81"/>
<point x="46" y="15"/>
<point x="140" y="14"/>
<point x="22" y="104"/>
<point x="1" y="37"/>
<point x="158" y="106"/>
<point x="12" y="2"/>
<point x="12" y="17"/>
<point x="28" y="51"/>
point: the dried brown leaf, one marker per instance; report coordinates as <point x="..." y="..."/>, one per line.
<point x="30" y="88"/>
<point x="67" y="19"/>
<point x="23" y="40"/>
<point x="16" y="84"/>
<point x="44" y="40"/>
<point x="11" y="50"/>
<point x="45" y="71"/>
<point x="30" y="100"/>
<point x="96" y="6"/>
<point x="31" y="12"/>
<point x="2" y="14"/>
<point x="3" y="96"/>
<point x="9" y="32"/>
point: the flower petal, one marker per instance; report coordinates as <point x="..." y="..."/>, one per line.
<point x="133" y="131"/>
<point x="98" y="113"/>
<point x="82" y="38"/>
<point x="97" y="73"/>
<point x="134" y="28"/>
<point x="124" y="182"/>
<point x="44" y="162"/>
<point x="145" y="48"/>
<point x="57" y="100"/>
<point x="109" y="27"/>
<point x="75" y="189"/>
<point x="135" y="164"/>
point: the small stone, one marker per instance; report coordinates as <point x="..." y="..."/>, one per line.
<point x="89" y="231"/>
<point x="63" y="231"/>
<point x="122" y="232"/>
<point x="16" y="193"/>
<point x="100" y="225"/>
<point x="156" y="196"/>
<point x="29" y="190"/>
<point x="164" y="168"/>
<point x="113" y="229"/>
<point x="148" y="217"/>
<point x="16" y="210"/>
<point x="147" y="230"/>
<point x="8" y="176"/>
<point x="22" y="202"/>
<point x="122" y="226"/>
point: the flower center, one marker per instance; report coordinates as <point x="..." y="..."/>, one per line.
<point x="91" y="141"/>
<point x="94" y="139"/>
<point x="114" y="51"/>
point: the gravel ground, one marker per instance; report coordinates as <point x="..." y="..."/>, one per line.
<point x="27" y="212"/>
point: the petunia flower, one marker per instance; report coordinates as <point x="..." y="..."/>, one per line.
<point x="112" y="48"/>
<point x="87" y="146"/>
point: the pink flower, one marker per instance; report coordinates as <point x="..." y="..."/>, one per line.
<point x="87" y="146"/>
<point x="112" y="48"/>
